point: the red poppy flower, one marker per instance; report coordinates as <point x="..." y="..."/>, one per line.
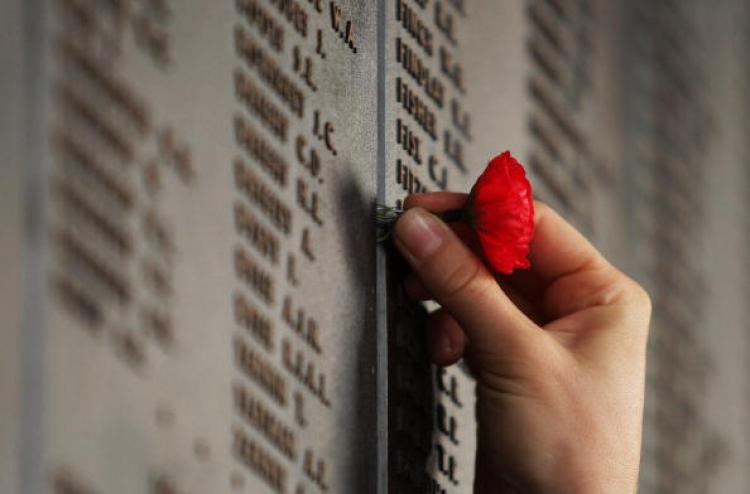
<point x="500" y="210"/>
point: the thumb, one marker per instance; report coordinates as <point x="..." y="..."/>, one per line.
<point x="459" y="281"/>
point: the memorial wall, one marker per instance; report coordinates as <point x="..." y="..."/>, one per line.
<point x="194" y="298"/>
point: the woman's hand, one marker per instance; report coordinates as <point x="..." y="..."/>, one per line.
<point x="558" y="352"/>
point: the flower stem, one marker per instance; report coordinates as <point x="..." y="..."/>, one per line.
<point x="386" y="215"/>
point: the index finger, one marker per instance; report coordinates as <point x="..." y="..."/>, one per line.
<point x="557" y="248"/>
<point x="436" y="202"/>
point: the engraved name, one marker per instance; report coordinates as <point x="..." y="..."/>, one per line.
<point x="255" y="457"/>
<point x="264" y="420"/>
<point x="250" y="317"/>
<point x="258" y="148"/>
<point x="73" y="152"/>
<point x="113" y="89"/>
<point x="101" y="271"/>
<point x="260" y="237"/>
<point x="261" y="106"/>
<point x="294" y="13"/>
<point x="417" y="108"/>
<point x="260" y="281"/>
<point x="268" y="70"/>
<point x="262" y="196"/>
<point x="414" y="26"/>
<point x="261" y="371"/>
<point x="407" y="179"/>
<point x="104" y="131"/>
<point x="267" y="27"/>
<point x="408" y="140"/>
<point x="419" y="71"/>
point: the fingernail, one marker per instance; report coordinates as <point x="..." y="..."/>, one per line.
<point x="419" y="233"/>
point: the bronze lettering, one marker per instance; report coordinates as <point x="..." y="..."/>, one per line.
<point x="129" y="347"/>
<point x="444" y="23"/>
<point x="260" y="281"/>
<point x="262" y="196"/>
<point x="298" y="321"/>
<point x="79" y="303"/>
<point x="268" y="70"/>
<point x="299" y="409"/>
<point x="64" y="481"/>
<point x="459" y="5"/>
<point x="415" y="107"/>
<point x="450" y="387"/>
<point x="315" y="469"/>
<point x="294" y="13"/>
<point x="158" y="325"/>
<point x="260" y="237"/>
<point x="151" y="177"/>
<point x="407" y="179"/>
<point x="263" y="419"/>
<point x="414" y="26"/>
<point x="436" y="488"/>
<point x="260" y="371"/>
<point x="310" y="161"/>
<point x="557" y="115"/>
<point x="157" y="233"/>
<point x="461" y="119"/>
<point x="323" y="131"/>
<point x="408" y="140"/>
<point x="106" y="133"/>
<point x="419" y="71"/>
<point x="303" y="66"/>
<point x="153" y="39"/>
<point x="309" y="201"/>
<point x="446" y="423"/>
<point x="115" y="90"/>
<point x="344" y="29"/>
<point x="546" y="139"/>
<point x="304" y="370"/>
<point x="156" y="278"/>
<point x="319" y="44"/>
<point x="258" y="148"/>
<point x="453" y="70"/>
<point x="83" y="259"/>
<point x="306" y="245"/>
<point x="267" y="27"/>
<point x="250" y="317"/>
<point x="260" y="105"/>
<point x="84" y="208"/>
<point x="73" y="153"/>
<point x="437" y="173"/>
<point x="446" y="463"/>
<point x="454" y="150"/>
<point x="160" y="483"/>
<point x="291" y="270"/>
<point x="176" y="154"/>
<point x="258" y="460"/>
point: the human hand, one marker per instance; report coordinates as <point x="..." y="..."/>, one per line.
<point x="558" y="351"/>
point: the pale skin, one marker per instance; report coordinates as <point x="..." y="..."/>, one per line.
<point x="558" y="351"/>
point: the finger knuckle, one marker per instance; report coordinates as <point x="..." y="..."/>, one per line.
<point x="643" y="297"/>
<point x="638" y="295"/>
<point x="541" y="207"/>
<point x="460" y="281"/>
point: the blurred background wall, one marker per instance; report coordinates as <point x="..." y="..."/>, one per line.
<point x="631" y="116"/>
